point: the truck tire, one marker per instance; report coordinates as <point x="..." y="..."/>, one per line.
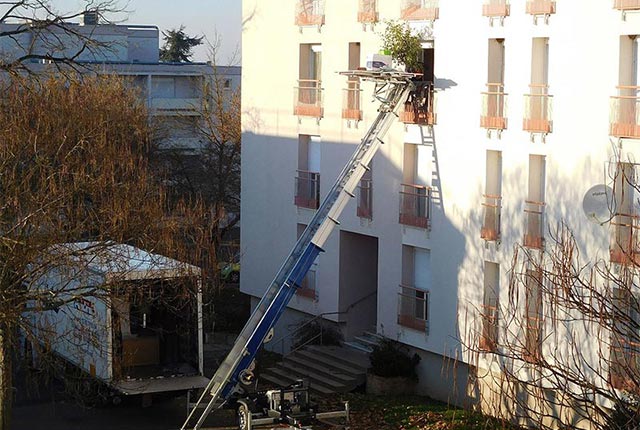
<point x="244" y="416"/>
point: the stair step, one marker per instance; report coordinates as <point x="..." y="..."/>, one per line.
<point x="344" y="355"/>
<point x="301" y="361"/>
<point x="286" y="377"/>
<point x="367" y="341"/>
<point x="329" y="361"/>
<point x="321" y="379"/>
<point x="358" y="346"/>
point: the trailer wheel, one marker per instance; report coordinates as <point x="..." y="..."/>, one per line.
<point x="234" y="277"/>
<point x="244" y="417"/>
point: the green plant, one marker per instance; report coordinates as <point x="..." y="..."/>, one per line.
<point x="403" y="44"/>
<point x="389" y="360"/>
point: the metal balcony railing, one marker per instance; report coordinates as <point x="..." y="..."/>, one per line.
<point x="308" y="98"/>
<point x="494" y="106"/>
<point x="541" y="7"/>
<point x="496" y="8"/>
<point x="492" y="206"/>
<point x="368" y="11"/>
<point x="420" y="10"/>
<point x="420" y="107"/>
<point x="413" y="308"/>
<point x="307" y="193"/>
<point x="625" y="113"/>
<point x="309" y="12"/>
<point x="625" y="243"/>
<point x="415" y="205"/>
<point x="365" y="201"/>
<point x="626" y="4"/>
<point x="538" y="110"/>
<point x="534" y="224"/>
<point x="489" y="336"/>
<point x="351" y="108"/>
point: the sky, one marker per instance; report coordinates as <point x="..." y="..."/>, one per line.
<point x="200" y="17"/>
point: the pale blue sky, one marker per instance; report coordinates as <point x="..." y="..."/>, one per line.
<point x="200" y="17"/>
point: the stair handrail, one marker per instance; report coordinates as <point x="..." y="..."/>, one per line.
<point x="360" y="300"/>
<point x="294" y="331"/>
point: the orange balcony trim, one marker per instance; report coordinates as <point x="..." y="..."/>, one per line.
<point x="418" y="117"/>
<point x="537" y="125"/>
<point x="496" y="10"/>
<point x="412" y="322"/>
<point x="541" y="7"/>
<point x="416" y="13"/>
<point x="353" y="114"/>
<point x="304" y="110"/>
<point x="489" y="233"/>
<point x="533" y="241"/>
<point x="626" y="4"/>
<point x="367" y="17"/>
<point x="492" y="122"/>
<point x="308" y="293"/>
<point x="413" y="220"/>
<point x="631" y="131"/>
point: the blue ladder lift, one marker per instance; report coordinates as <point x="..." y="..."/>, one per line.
<point x="392" y="88"/>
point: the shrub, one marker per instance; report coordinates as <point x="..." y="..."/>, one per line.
<point x="403" y="44"/>
<point x="388" y="360"/>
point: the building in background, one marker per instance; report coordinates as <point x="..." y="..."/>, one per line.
<point x="524" y="108"/>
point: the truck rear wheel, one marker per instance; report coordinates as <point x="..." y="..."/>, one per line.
<point x="244" y="417"/>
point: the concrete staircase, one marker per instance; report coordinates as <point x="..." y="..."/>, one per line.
<point x="364" y="342"/>
<point x="329" y="369"/>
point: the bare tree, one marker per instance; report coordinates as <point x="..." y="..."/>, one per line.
<point x="74" y="166"/>
<point x="562" y="348"/>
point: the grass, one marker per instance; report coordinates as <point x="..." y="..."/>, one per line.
<point x="411" y="413"/>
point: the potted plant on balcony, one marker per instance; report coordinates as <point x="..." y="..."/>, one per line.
<point x="403" y="44"/>
<point x="393" y="370"/>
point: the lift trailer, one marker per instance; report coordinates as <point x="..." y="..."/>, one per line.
<point x="230" y="383"/>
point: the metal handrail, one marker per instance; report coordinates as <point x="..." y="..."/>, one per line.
<point x="291" y="333"/>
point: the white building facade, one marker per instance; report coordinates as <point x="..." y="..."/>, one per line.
<point x="534" y="103"/>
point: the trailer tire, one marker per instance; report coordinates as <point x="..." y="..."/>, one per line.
<point x="244" y="416"/>
<point x="234" y="277"/>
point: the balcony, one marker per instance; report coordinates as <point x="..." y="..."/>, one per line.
<point x="415" y="205"/>
<point x="625" y="113"/>
<point x="175" y="106"/>
<point x="365" y="201"/>
<point x="489" y="336"/>
<point x="308" y="99"/>
<point x="368" y="11"/>
<point x="494" y="107"/>
<point x="541" y="7"/>
<point x="351" y="108"/>
<point x="534" y="224"/>
<point x="624" y="361"/>
<point x="307" y="189"/>
<point x="308" y="287"/>
<point x="538" y="110"/>
<point x="492" y="206"/>
<point x="309" y="13"/>
<point x="625" y="247"/>
<point x="413" y="310"/>
<point x="625" y="5"/>
<point x="496" y="8"/>
<point x="420" y="10"/>
<point x="420" y="106"/>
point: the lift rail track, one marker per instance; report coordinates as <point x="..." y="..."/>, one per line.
<point x="392" y="89"/>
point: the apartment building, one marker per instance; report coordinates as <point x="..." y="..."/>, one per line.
<point x="525" y="106"/>
<point x="174" y="92"/>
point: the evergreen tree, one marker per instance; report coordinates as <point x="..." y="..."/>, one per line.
<point x="178" y="45"/>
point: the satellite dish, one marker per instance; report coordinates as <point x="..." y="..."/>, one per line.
<point x="598" y="204"/>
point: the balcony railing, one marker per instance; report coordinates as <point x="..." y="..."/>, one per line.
<point x="368" y="11"/>
<point x="494" y="107"/>
<point x="538" y="110"/>
<point x="351" y="108"/>
<point x="308" y="287"/>
<point x="309" y="12"/>
<point x="307" y="189"/>
<point x="624" y="361"/>
<point x="420" y="107"/>
<point x="626" y="4"/>
<point x="489" y="335"/>
<point x="175" y="106"/>
<point x="625" y="113"/>
<point x="420" y="10"/>
<point x="496" y="8"/>
<point x="413" y="309"/>
<point x="625" y="244"/>
<point x="308" y="98"/>
<point x="541" y="7"/>
<point x="491" y="224"/>
<point x="365" y="201"/>
<point x="415" y="205"/>
<point x="534" y="224"/>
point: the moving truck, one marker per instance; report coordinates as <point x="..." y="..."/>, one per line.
<point x="129" y="318"/>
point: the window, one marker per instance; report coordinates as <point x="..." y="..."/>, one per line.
<point x="365" y="195"/>
<point x="351" y="108"/>
<point x="538" y="103"/>
<point x="489" y="312"/>
<point x="308" y="287"/>
<point x="415" y="192"/>
<point x="533" y="316"/>
<point x="307" y="187"/>
<point x="492" y="198"/>
<point x="493" y="115"/>
<point x="310" y="12"/>
<point x="413" y="296"/>
<point x="308" y="93"/>
<point x="535" y="206"/>
<point x="625" y="106"/>
<point x="625" y="248"/>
